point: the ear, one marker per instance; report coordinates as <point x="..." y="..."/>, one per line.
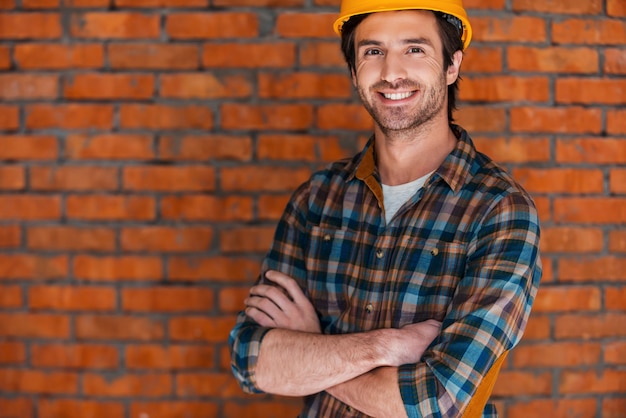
<point x="453" y="70"/>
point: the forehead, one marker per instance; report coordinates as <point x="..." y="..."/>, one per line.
<point x="399" y="25"/>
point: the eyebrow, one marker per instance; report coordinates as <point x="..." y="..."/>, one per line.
<point x="418" y="41"/>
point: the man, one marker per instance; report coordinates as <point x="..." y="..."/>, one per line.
<point x="399" y="279"/>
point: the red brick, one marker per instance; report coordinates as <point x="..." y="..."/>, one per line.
<point x="12" y="177"/>
<point x="72" y="298"/>
<point x="169" y="178"/>
<point x="166" y="239"/>
<point x="482" y="60"/>
<point x="69" y="116"/>
<point x="28" y="147"/>
<point x="167" y="299"/>
<point x="231" y="299"/>
<point x="9" y="118"/>
<point x="193" y="328"/>
<point x="28" y="86"/>
<point x="212" y="25"/>
<point x="271" y="207"/>
<point x="143" y="385"/>
<point x="5" y="58"/>
<point x="206" y="147"/>
<point x="518" y="383"/>
<point x="553" y="408"/>
<point x="108" y="86"/>
<point x="615" y="299"/>
<point x="615" y="61"/>
<point x="11" y="296"/>
<point x="321" y="54"/>
<point x="604" y="210"/>
<point x="205" y="86"/>
<point x="559" y="7"/>
<point x="263" y="408"/>
<point x="256" y="55"/>
<point x="592" y="269"/>
<point x="172" y="357"/>
<point x="509" y="29"/>
<point x="254" y="178"/>
<point x="21" y="26"/>
<point x="484" y="4"/>
<point x="207" y="208"/>
<point x="163" y="117"/>
<point x="215" y="269"/>
<point x="119" y="327"/>
<point x="538" y="328"/>
<point x="304" y="85"/>
<point x="617" y="241"/>
<point x="616" y="8"/>
<point x="32" y="325"/>
<point x="587" y="382"/>
<point x="259" y="3"/>
<point x="567" y="354"/>
<point x="221" y="385"/>
<point x="344" y="116"/>
<point x="589" y="31"/>
<point x="109" y="147"/>
<point x="567" y="299"/>
<point x="115" y="25"/>
<point x="162" y="3"/>
<point x="616" y="121"/>
<point x="48" y="56"/>
<point x="174" y="409"/>
<point x="40" y="4"/>
<point x="110" y="208"/>
<point x="150" y="56"/>
<point x="29" y="207"/>
<point x="246" y="239"/>
<point x="556" y="120"/>
<point x="517" y="149"/>
<point x="305" y="25"/>
<point x="560" y="180"/>
<point x="571" y="240"/>
<point x="590" y="91"/>
<point x="28" y="266"/>
<point x="124" y="268"/>
<point x="287" y="147"/>
<point x="615" y="352"/>
<point x="74" y="356"/>
<point x="12" y="353"/>
<point x="262" y="117"/>
<point x="37" y="382"/>
<point x="591" y="150"/>
<point x="68" y="238"/>
<point x="505" y="88"/>
<point x="83" y="178"/>
<point x="553" y="59"/>
<point x="617" y="181"/>
<point x="86" y="3"/>
<point x="477" y="119"/>
<point x="613" y="407"/>
<point x="587" y="327"/>
<point x="73" y="408"/>
<point x="16" y="407"/>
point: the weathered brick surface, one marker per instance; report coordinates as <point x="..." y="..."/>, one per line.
<point x="148" y="148"/>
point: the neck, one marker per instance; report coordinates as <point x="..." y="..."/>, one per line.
<point x="404" y="156"/>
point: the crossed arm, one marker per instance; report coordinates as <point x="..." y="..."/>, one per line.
<point x="359" y="369"/>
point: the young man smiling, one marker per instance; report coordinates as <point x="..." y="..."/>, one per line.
<point x="399" y="279"/>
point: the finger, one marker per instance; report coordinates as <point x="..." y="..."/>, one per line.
<point x="287" y="283"/>
<point x="260" y="317"/>
<point x="273" y="293"/>
<point x="265" y="305"/>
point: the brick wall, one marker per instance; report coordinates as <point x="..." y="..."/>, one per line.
<point x="147" y="148"/>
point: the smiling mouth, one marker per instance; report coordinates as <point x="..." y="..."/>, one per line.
<point x="398" y="96"/>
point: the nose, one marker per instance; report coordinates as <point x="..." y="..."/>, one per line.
<point x="393" y="68"/>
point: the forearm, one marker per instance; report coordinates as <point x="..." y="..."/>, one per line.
<point x="295" y="363"/>
<point x="375" y="393"/>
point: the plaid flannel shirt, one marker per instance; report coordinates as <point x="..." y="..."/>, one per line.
<point x="463" y="250"/>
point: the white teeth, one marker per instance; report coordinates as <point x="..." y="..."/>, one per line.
<point x="397" y="96"/>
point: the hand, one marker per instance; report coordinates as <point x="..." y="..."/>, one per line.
<point x="284" y="306"/>
<point x="413" y="341"/>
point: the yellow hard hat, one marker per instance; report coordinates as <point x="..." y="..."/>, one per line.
<point x="455" y="8"/>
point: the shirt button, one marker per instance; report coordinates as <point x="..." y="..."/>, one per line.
<point x="327" y="237"/>
<point x="369" y="308"/>
<point x="380" y="254"/>
<point x="434" y="252"/>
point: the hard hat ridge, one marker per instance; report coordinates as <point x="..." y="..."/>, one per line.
<point x="452" y="11"/>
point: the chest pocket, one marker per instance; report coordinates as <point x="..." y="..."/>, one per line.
<point x="428" y="273"/>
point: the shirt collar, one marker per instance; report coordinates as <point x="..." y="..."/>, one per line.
<point x="455" y="169"/>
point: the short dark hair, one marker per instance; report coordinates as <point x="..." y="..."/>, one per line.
<point x="450" y="39"/>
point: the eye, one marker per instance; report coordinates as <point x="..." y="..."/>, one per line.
<point x="416" y="50"/>
<point x="373" y="52"/>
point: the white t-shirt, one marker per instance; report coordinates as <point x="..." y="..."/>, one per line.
<point x="396" y="196"/>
